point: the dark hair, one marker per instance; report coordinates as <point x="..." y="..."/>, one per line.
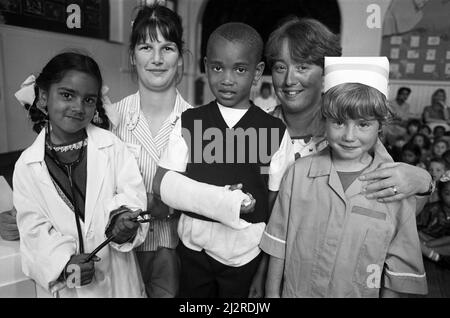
<point x="241" y="33"/>
<point x="413" y="122"/>
<point x="407" y="89"/>
<point x="426" y="140"/>
<point x="414" y="149"/>
<point x="266" y="85"/>
<point x="354" y="101"/>
<point x="149" y="20"/>
<point x="439" y="90"/>
<point x="438" y="127"/>
<point x="53" y="72"/>
<point x="438" y="160"/>
<point x="309" y="41"/>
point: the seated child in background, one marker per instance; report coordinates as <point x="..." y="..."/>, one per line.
<point x="396" y="149"/>
<point x="412" y="127"/>
<point x="433" y="222"/>
<point x="438" y="148"/>
<point x="218" y="259"/>
<point x="411" y="154"/>
<point x="438" y="132"/>
<point x="436" y="168"/>
<point x="325" y="239"/>
<point x="426" y="130"/>
<point x="423" y="142"/>
<point x="265" y="100"/>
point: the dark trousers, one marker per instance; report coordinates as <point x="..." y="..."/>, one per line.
<point x="160" y="272"/>
<point x="204" y="277"/>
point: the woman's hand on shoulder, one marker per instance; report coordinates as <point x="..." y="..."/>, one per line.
<point x="395" y="181"/>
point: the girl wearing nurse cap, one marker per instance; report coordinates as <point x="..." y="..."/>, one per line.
<point x="324" y="237"/>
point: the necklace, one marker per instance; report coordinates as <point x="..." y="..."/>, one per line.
<point x="78" y="145"/>
<point x="64" y="148"/>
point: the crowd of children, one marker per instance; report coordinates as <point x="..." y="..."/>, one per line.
<point x="429" y="149"/>
<point x="423" y="147"/>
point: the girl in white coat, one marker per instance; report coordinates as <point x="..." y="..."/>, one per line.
<point x="76" y="185"/>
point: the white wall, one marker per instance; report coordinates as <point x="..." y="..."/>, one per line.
<point x="25" y="51"/>
<point x="358" y="39"/>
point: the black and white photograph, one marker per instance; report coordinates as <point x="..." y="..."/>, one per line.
<point x="232" y="156"/>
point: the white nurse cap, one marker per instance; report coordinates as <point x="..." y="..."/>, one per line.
<point x="370" y="71"/>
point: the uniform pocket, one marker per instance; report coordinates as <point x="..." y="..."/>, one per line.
<point x="370" y="262"/>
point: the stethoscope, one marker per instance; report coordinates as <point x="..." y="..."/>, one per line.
<point x="69" y="168"/>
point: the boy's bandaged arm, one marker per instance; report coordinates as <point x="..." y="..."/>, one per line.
<point x="214" y="202"/>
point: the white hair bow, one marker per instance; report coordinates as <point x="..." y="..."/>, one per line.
<point x="25" y="95"/>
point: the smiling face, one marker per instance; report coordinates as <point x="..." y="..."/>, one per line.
<point x="71" y="105"/>
<point x="439" y="148"/>
<point x="351" y="140"/>
<point x="298" y="86"/>
<point x="156" y="63"/>
<point x="232" y="69"/>
<point x="436" y="170"/>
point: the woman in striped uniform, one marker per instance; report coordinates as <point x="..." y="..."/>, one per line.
<point x="146" y="120"/>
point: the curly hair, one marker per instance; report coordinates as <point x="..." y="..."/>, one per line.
<point x="309" y="41"/>
<point x="53" y="72"/>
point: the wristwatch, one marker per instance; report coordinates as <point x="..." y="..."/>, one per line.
<point x="431" y="188"/>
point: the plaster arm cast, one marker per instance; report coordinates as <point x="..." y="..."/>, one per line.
<point x="218" y="203"/>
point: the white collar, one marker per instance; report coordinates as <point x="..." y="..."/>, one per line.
<point x="97" y="137"/>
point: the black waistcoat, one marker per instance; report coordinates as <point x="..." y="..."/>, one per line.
<point x="223" y="156"/>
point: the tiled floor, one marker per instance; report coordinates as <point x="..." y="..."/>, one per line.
<point x="438" y="279"/>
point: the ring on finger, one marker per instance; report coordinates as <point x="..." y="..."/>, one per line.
<point x="394" y="188"/>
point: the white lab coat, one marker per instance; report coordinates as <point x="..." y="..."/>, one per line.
<point x="48" y="232"/>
